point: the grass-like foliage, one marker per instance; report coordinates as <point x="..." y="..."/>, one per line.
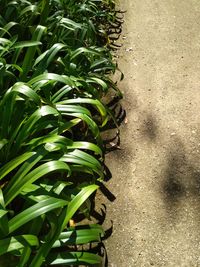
<point x="54" y="71"/>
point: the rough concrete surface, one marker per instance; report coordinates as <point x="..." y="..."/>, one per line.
<point x="156" y="174"/>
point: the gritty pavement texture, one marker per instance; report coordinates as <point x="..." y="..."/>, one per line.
<point x="156" y="173"/>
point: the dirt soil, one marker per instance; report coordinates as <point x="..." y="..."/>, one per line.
<point x="156" y="173"/>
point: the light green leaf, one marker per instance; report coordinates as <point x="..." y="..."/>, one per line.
<point x="17" y="243"/>
<point x="35" y="211"/>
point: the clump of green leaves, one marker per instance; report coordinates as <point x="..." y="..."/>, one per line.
<point x="54" y="67"/>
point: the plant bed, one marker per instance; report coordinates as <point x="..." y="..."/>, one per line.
<point x="55" y="63"/>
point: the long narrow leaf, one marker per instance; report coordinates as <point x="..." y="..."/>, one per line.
<point x="35" y="211"/>
<point x="17" y="243"/>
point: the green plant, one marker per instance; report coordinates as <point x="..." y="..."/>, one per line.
<point x="53" y="75"/>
